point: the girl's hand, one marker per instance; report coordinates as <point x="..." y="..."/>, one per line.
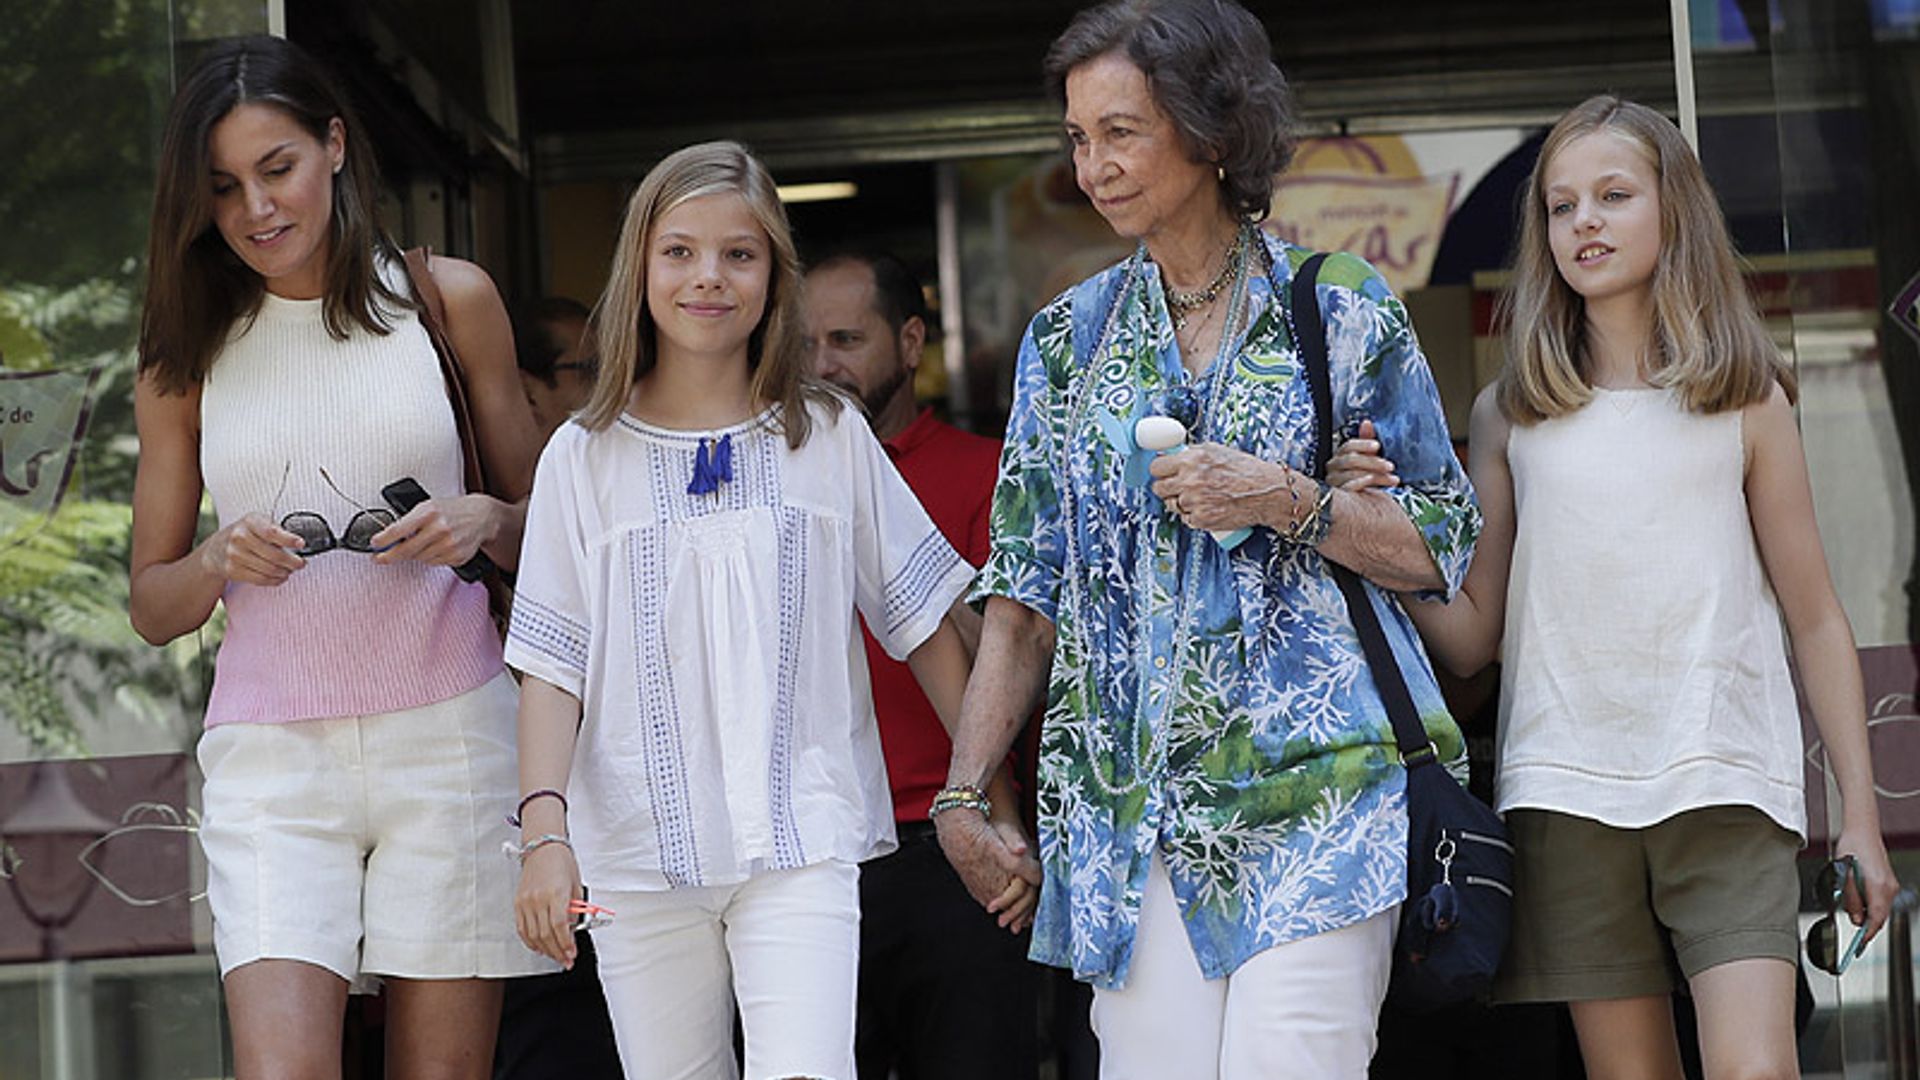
<point x="443" y="532"/>
<point x="1876" y="873"/>
<point x="252" y="551"/>
<point x="549" y="881"/>
<point x="1015" y="906"/>
<point x="1016" y="903"/>
<point x="983" y="857"/>
<point x="1360" y="462"/>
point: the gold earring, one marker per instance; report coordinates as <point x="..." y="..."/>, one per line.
<point x="1220" y="173"/>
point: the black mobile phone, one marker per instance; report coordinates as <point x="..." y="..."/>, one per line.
<point x="406" y="493"/>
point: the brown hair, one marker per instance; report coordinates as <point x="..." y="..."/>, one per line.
<point x="776" y="352"/>
<point x="1709" y="340"/>
<point x="197" y="287"/>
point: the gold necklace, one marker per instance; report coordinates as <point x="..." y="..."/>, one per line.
<point x="1181" y="305"/>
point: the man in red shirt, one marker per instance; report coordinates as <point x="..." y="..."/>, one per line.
<point x="944" y="991"/>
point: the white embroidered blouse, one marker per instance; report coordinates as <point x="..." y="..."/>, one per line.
<point x="727" y="722"/>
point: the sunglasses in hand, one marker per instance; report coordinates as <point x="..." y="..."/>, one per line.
<point x="317" y="536"/>
<point x="1823" y="937"/>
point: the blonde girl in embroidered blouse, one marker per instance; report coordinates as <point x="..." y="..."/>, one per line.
<point x="699" y="541"/>
<point x="1647" y="502"/>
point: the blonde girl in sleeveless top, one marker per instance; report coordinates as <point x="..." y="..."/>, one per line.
<point x="1649" y="528"/>
<point x="359" y="744"/>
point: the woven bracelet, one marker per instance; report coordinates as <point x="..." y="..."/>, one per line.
<point x="519" y="852"/>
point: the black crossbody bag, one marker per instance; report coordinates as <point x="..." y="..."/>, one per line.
<point x="1459" y="906"/>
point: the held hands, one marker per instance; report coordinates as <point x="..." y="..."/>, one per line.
<point x="444" y="532"/>
<point x="1360" y="463"/>
<point x="549" y="881"/>
<point x="1220" y="489"/>
<point x="995" y="863"/>
<point x="252" y="551"/>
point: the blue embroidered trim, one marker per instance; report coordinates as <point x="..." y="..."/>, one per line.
<point x="908" y="591"/>
<point x="660" y="717"/>
<point x="549" y="633"/>
<point x="788" y="853"/>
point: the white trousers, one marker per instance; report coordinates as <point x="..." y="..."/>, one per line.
<point x="1307" y="1009"/>
<point x="784" y="943"/>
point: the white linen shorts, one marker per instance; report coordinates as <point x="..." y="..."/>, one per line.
<point x="368" y="845"/>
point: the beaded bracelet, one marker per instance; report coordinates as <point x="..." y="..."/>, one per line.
<point x="958" y="796"/>
<point x="519" y="852"/>
<point x="513" y="819"/>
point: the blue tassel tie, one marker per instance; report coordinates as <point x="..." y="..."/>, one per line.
<point x="712" y="470"/>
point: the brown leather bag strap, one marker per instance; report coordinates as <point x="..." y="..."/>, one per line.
<point x="433" y="317"/>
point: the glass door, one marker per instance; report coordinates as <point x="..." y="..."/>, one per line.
<point x="106" y="966"/>
<point x="1808" y="110"/>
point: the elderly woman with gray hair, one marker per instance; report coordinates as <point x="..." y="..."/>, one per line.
<point x="1223" y="820"/>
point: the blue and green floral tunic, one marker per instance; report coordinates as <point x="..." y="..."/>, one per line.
<point x="1214" y="704"/>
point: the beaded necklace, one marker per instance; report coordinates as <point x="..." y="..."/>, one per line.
<point x="1180" y="305"/>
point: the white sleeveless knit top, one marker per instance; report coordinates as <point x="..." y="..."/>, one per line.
<point x="1645" y="664"/>
<point x="342" y="636"/>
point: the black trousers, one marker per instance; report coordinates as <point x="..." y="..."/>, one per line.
<point x="944" y="991"/>
<point x="555" y="1027"/>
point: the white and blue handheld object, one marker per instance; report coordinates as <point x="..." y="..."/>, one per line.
<point x="1165" y="435"/>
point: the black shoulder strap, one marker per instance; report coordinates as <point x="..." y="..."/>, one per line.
<point x="1415" y="747"/>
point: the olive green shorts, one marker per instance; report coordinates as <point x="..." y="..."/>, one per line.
<point x="1602" y="913"/>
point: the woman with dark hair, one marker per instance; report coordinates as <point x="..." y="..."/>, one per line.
<point x="359" y="744"/>
<point x="1223" y="819"/>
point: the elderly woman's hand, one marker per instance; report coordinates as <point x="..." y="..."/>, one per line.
<point x="1219" y="488"/>
<point x="998" y="870"/>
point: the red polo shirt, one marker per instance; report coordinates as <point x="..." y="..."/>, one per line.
<point x="953" y="472"/>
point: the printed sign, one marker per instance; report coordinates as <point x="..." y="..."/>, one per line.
<point x="1393" y="222"/>
<point x="43" y="416"/>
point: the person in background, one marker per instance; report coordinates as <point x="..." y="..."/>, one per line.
<point x="944" y="992"/>
<point x="554" y="349"/>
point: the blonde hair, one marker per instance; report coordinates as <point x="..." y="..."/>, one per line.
<point x="625" y="331"/>
<point x="1709" y="341"/>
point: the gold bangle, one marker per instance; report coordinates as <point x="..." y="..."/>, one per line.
<point x="957" y="796"/>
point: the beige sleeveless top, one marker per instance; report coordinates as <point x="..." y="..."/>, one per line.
<point x="1645" y="665"/>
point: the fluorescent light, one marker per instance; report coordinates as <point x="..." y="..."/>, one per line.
<point x="822" y="192"/>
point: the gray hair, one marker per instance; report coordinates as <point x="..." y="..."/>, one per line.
<point x="1209" y="66"/>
